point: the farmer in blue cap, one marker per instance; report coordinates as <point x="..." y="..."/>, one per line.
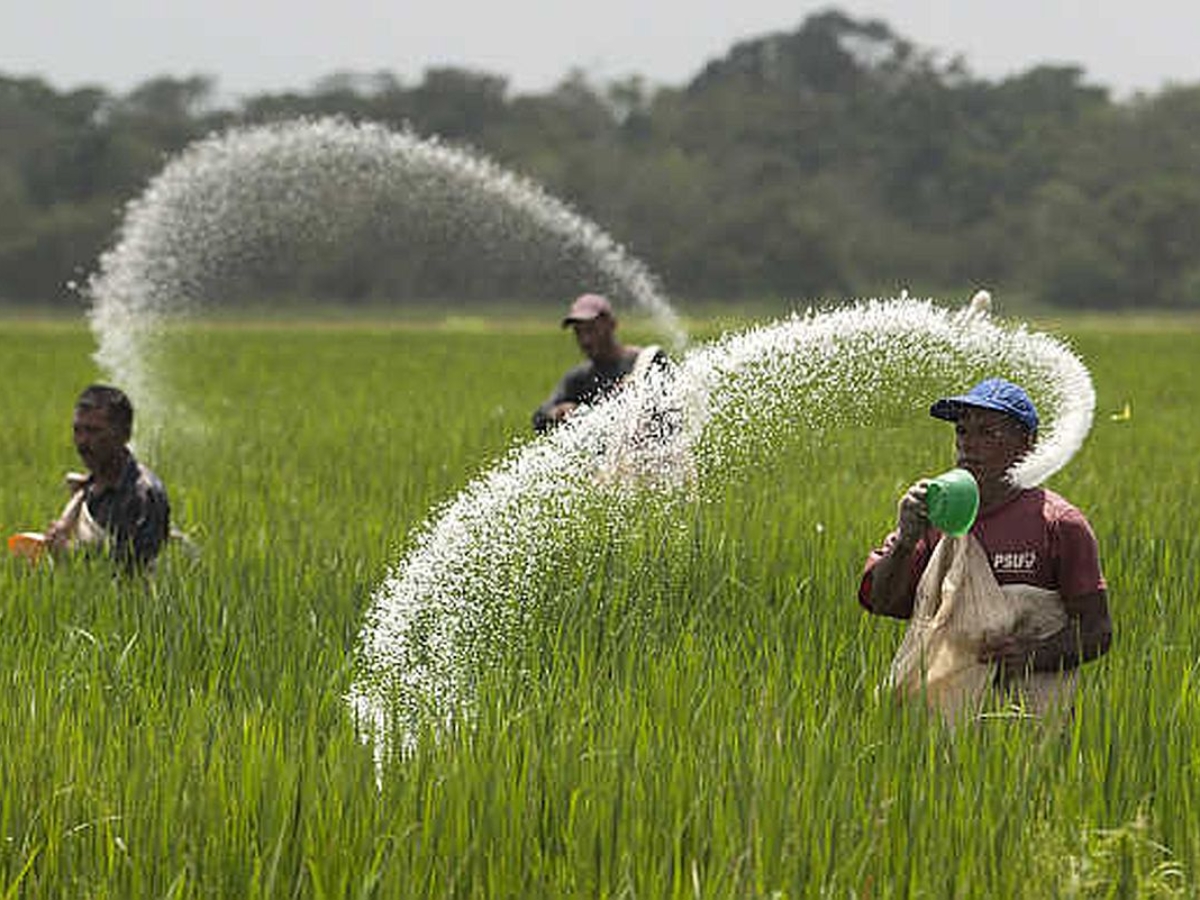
<point x="1030" y="537"/>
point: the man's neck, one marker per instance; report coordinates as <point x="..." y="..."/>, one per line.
<point x="609" y="355"/>
<point x="996" y="494"/>
<point x="110" y="475"/>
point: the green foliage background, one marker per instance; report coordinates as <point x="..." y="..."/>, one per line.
<point x="834" y="160"/>
<point x="691" y="712"/>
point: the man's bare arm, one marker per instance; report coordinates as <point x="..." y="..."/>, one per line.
<point x="1086" y="636"/>
<point x="891" y="578"/>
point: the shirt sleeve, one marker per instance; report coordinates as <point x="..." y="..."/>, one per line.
<point x="1077" y="556"/>
<point x="141" y="524"/>
<point x="920" y="559"/>
<point x="541" y="416"/>
<point x="153" y="526"/>
<point x="566" y="389"/>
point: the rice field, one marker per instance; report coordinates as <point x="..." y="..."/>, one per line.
<point x="689" y="709"/>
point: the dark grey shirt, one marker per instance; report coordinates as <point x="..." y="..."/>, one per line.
<point x="589" y="383"/>
<point x="135" y="514"/>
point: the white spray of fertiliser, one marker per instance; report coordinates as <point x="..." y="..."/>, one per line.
<point x="238" y="206"/>
<point x="436" y="618"/>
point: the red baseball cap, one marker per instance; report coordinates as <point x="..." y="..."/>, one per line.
<point x="587" y="307"/>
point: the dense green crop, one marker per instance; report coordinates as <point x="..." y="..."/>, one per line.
<point x="690" y="711"/>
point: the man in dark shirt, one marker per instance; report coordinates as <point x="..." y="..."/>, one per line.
<point x="609" y="362"/>
<point x="120" y="506"/>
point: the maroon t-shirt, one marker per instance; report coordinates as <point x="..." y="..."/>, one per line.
<point x="1035" y="538"/>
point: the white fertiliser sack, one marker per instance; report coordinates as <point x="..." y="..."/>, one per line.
<point x="959" y="605"/>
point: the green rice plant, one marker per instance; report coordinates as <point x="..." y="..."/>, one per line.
<point x="688" y="704"/>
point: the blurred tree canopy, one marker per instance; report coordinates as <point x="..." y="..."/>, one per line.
<point x="834" y="160"/>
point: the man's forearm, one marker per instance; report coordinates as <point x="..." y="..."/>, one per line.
<point x="1082" y="639"/>
<point x="891" y="582"/>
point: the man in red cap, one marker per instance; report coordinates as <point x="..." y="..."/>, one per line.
<point x="609" y="361"/>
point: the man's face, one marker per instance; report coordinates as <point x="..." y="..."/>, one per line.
<point x="989" y="443"/>
<point x="97" y="441"/>
<point x="595" y="336"/>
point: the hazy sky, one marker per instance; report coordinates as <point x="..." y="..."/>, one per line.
<point x="252" y="46"/>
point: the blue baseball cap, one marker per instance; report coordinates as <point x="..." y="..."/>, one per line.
<point x="991" y="393"/>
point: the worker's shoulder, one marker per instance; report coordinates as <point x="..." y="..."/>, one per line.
<point x="1055" y="511"/>
<point x="1056" y="507"/>
<point x="649" y="358"/>
<point x="147" y="481"/>
<point x="580" y="371"/>
<point x="579" y="377"/>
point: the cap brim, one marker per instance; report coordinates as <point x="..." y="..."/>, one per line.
<point x="571" y="320"/>
<point x="951" y="408"/>
<point x="948" y="408"/>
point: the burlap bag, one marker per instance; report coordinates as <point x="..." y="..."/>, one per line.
<point x="648" y="447"/>
<point x="82" y="529"/>
<point x="959" y="605"/>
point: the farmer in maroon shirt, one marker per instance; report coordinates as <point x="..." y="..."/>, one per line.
<point x="1031" y="536"/>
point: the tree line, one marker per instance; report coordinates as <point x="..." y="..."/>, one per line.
<point x="834" y="160"/>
